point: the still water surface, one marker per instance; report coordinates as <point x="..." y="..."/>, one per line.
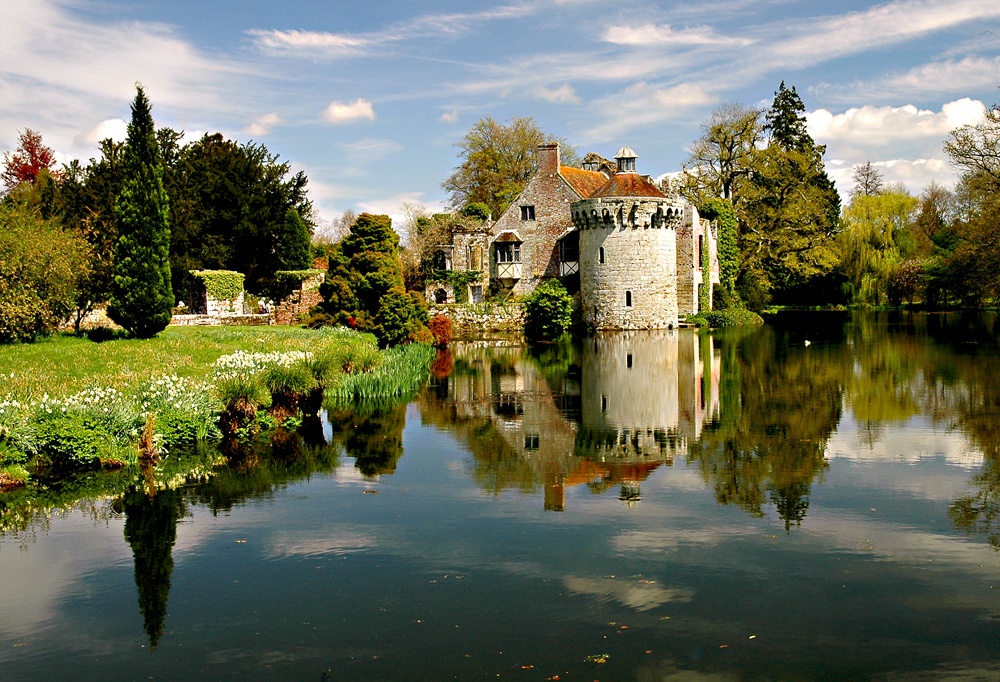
<point x="817" y="499"/>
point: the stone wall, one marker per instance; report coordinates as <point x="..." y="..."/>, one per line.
<point x="292" y="308"/>
<point x="221" y="320"/>
<point x="691" y="277"/>
<point x="551" y="196"/>
<point x="628" y="262"/>
<point x="476" y="321"/>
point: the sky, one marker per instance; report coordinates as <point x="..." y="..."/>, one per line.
<point x="371" y="98"/>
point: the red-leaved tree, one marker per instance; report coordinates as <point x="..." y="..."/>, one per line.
<point x="26" y="162"/>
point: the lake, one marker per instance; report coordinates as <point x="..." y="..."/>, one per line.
<point x="815" y="499"/>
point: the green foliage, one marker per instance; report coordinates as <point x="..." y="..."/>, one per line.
<point x="458" y="279"/>
<point x="790" y="211"/>
<point x="497" y="160"/>
<point x="722" y="213"/>
<point x="293" y="243"/>
<point x="404" y="370"/>
<point x="729" y="317"/>
<point x="40" y="264"/>
<point x="222" y="285"/>
<point x="400" y="316"/>
<point x="476" y="210"/>
<point x="231" y="209"/>
<point x="292" y="379"/>
<point x="723" y="156"/>
<point x="141" y="294"/>
<point x="875" y="227"/>
<point x="548" y="311"/>
<point x="364" y="289"/>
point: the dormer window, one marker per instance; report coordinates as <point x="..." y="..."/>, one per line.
<point x="528" y="212"/>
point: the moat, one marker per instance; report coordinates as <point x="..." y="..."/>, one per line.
<point x="815" y="499"/>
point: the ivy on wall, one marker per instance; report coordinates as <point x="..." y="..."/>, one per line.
<point x="222" y="285"/>
<point x="721" y="211"/>
<point x="460" y="280"/>
<point x="705" y="290"/>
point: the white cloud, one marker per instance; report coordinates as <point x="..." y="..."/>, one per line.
<point x="879" y="26"/>
<point x="393" y="206"/>
<point x="564" y="94"/>
<point x="370" y="149"/>
<point x="971" y="74"/>
<point x="664" y="35"/>
<point x="312" y="42"/>
<point x="262" y="125"/>
<point x="115" y="128"/>
<point x="448" y="117"/>
<point x="341" y="112"/>
<point x="338" y="45"/>
<point x="883" y="126"/>
<point x="642" y="104"/>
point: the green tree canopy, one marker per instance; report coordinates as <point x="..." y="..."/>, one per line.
<point x="40" y="265"/>
<point x="790" y="210"/>
<point x="874" y="242"/>
<point x="231" y="204"/>
<point x="497" y="160"/>
<point x="724" y="155"/>
<point x="141" y="295"/>
<point x="365" y="289"/>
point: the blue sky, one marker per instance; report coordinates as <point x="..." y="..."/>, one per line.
<point x="371" y="98"/>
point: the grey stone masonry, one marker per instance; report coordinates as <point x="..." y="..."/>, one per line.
<point x="628" y="262"/>
<point x="538" y="217"/>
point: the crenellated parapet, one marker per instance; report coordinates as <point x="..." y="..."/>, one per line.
<point x="627" y="213"/>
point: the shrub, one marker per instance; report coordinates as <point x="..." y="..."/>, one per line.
<point x="288" y="384"/>
<point x="440" y="327"/>
<point x="39" y="267"/>
<point x="548" y="311"/>
<point x="241" y="395"/>
<point x="399" y="317"/>
<point x="731" y="317"/>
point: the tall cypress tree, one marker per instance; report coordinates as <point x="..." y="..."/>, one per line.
<point x="141" y="295"/>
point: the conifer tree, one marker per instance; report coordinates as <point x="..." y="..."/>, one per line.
<point x="791" y="210"/>
<point x="293" y="244"/>
<point x="141" y="294"/>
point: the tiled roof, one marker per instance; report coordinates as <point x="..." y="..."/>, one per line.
<point x="628" y="185"/>
<point x="583" y="182"/>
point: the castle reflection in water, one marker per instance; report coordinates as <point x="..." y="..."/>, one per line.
<point x="605" y="413"/>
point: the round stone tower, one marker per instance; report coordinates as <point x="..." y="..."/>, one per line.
<point x="628" y="252"/>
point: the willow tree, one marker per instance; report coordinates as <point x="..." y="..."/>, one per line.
<point x="141" y="295"/>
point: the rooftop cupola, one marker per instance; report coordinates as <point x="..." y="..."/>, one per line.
<point x="626" y="160"/>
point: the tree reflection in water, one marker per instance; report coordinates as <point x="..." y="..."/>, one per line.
<point x="151" y="530"/>
<point x="374" y="439"/>
<point x="782" y="404"/>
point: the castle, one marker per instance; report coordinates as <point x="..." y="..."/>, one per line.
<point x="636" y="257"/>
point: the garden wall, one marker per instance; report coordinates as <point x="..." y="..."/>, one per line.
<point x="474" y="320"/>
<point x="297" y="304"/>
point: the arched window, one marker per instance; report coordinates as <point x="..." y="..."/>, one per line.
<point x="628" y="299"/>
<point x="600" y="256"/>
<point x="440" y="296"/>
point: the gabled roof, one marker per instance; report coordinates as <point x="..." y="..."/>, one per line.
<point x="628" y="185"/>
<point x="583" y="182"/>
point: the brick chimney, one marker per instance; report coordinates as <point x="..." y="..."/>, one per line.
<point x="548" y="158"/>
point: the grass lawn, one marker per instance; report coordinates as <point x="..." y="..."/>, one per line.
<point x="64" y="364"/>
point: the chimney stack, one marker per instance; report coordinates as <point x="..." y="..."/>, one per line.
<point x="548" y="157"/>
